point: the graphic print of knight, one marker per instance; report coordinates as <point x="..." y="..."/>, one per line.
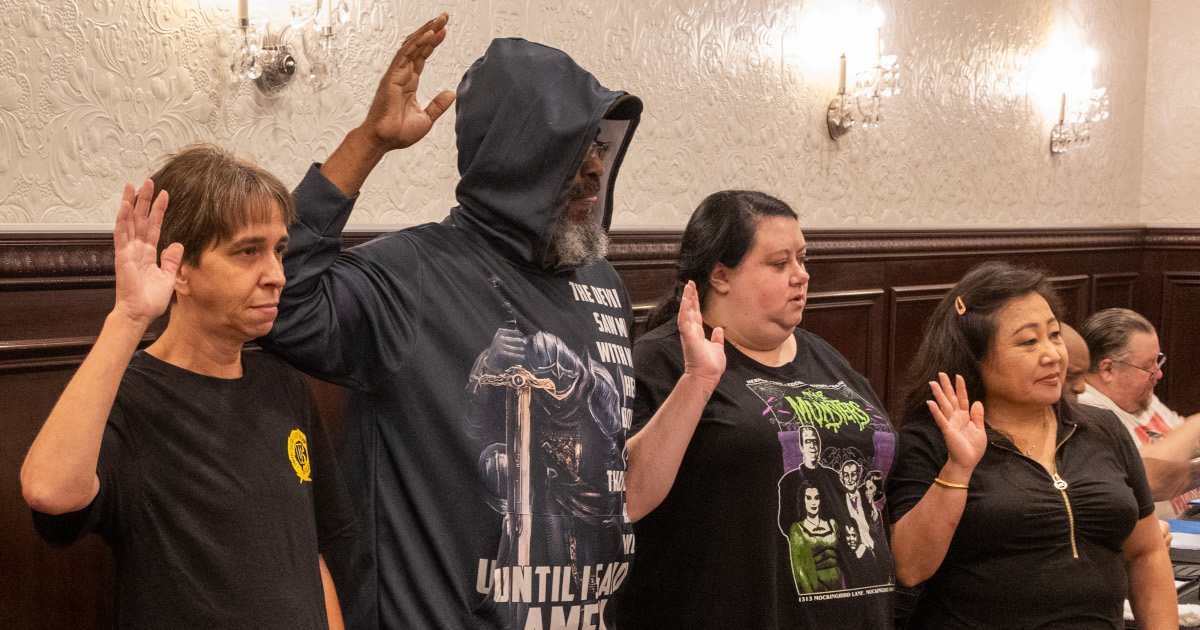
<point x="548" y="423"/>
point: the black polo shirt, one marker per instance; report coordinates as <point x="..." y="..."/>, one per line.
<point x="1027" y="554"/>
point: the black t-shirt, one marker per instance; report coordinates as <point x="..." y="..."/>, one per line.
<point x="1023" y="555"/>
<point x="735" y="544"/>
<point x="216" y="496"/>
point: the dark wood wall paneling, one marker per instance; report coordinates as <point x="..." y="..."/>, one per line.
<point x="870" y="294"/>
<point x="1170" y="297"/>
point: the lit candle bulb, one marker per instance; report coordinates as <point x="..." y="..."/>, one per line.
<point x="326" y="13"/>
<point x="877" y="17"/>
<point x="842" y="75"/>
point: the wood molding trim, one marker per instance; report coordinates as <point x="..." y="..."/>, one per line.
<point x="35" y="259"/>
<point x="40" y="354"/>
<point x="1168" y="238"/>
<point x="920" y="243"/>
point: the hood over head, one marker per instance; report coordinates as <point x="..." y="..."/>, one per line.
<point x="526" y="116"/>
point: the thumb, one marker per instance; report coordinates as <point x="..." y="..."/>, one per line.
<point x="718" y="335"/>
<point x="977" y="414"/>
<point x="439" y="105"/>
<point x="171" y="257"/>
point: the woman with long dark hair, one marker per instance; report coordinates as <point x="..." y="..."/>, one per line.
<point x="1034" y="513"/>
<point x="744" y="523"/>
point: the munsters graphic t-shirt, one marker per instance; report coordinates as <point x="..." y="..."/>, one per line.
<point x="777" y="517"/>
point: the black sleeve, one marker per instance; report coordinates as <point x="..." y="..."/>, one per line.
<point x="657" y="366"/>
<point x="343" y="315"/>
<point x="1135" y="474"/>
<point x="117" y="470"/>
<point x="920" y="455"/>
<point x="333" y="510"/>
<point x="1135" y="471"/>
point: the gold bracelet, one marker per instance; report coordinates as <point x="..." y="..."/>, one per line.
<point x="949" y="484"/>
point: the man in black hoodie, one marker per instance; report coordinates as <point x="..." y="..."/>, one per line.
<point x="488" y="355"/>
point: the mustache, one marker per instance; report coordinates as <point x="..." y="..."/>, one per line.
<point x="584" y="189"/>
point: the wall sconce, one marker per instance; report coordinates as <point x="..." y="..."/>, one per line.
<point x="1078" y="130"/>
<point x="871" y="86"/>
<point x="265" y="57"/>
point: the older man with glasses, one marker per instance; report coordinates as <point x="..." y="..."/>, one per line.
<point x="1126" y="364"/>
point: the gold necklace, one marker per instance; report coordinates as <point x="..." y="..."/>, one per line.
<point x="1035" y="445"/>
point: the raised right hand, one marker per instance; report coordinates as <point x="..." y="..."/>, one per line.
<point x="963" y="430"/>
<point x="144" y="287"/>
<point x="395" y="119"/>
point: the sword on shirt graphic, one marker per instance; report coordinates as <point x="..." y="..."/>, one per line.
<point x="520" y="384"/>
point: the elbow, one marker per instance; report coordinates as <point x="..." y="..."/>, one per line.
<point x="907" y="576"/>
<point x="910" y="570"/>
<point x="638" y="500"/>
<point x="51" y="498"/>
<point x="635" y="509"/>
<point x="41" y="499"/>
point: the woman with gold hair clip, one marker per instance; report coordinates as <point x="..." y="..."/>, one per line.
<point x="1036" y="512"/>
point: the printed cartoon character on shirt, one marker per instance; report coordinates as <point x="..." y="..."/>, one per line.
<point x="813" y="543"/>
<point x="549" y="427"/>
<point x="833" y="451"/>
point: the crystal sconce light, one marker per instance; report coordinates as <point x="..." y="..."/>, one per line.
<point x="1078" y="129"/>
<point x="864" y="104"/>
<point x="265" y="57"/>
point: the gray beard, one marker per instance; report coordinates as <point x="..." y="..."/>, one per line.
<point x="577" y="245"/>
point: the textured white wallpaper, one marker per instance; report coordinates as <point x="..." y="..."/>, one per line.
<point x="1171" y="175"/>
<point x="93" y="92"/>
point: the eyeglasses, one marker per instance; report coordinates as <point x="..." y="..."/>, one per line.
<point x="597" y="151"/>
<point x="1162" y="358"/>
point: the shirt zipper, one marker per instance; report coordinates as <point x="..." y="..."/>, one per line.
<point x="1060" y="484"/>
<point x="1062" y="487"/>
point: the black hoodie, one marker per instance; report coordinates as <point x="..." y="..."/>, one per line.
<point x="491" y="389"/>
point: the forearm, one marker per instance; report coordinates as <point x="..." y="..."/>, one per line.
<point x="333" y="609"/>
<point x="1178" y="444"/>
<point x="319" y="305"/>
<point x="353" y="161"/>
<point x="657" y="450"/>
<point x="921" y="537"/>
<point x="1169" y="479"/>
<point x="59" y="473"/>
<point x="1151" y="590"/>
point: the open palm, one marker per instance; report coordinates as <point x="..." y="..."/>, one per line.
<point x="144" y="287"/>
<point x="960" y="421"/>
<point x="703" y="358"/>
<point x="396" y="119"/>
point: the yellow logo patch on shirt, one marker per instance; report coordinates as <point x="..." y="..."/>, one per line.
<point x="298" y="453"/>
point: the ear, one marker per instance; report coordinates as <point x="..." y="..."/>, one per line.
<point x="718" y="280"/>
<point x="1104" y="370"/>
<point x="181" y="279"/>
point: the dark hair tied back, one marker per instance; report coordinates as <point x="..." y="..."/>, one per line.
<point x="721" y="230"/>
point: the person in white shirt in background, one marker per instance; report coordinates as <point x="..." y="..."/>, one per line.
<point x="1125" y="365"/>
